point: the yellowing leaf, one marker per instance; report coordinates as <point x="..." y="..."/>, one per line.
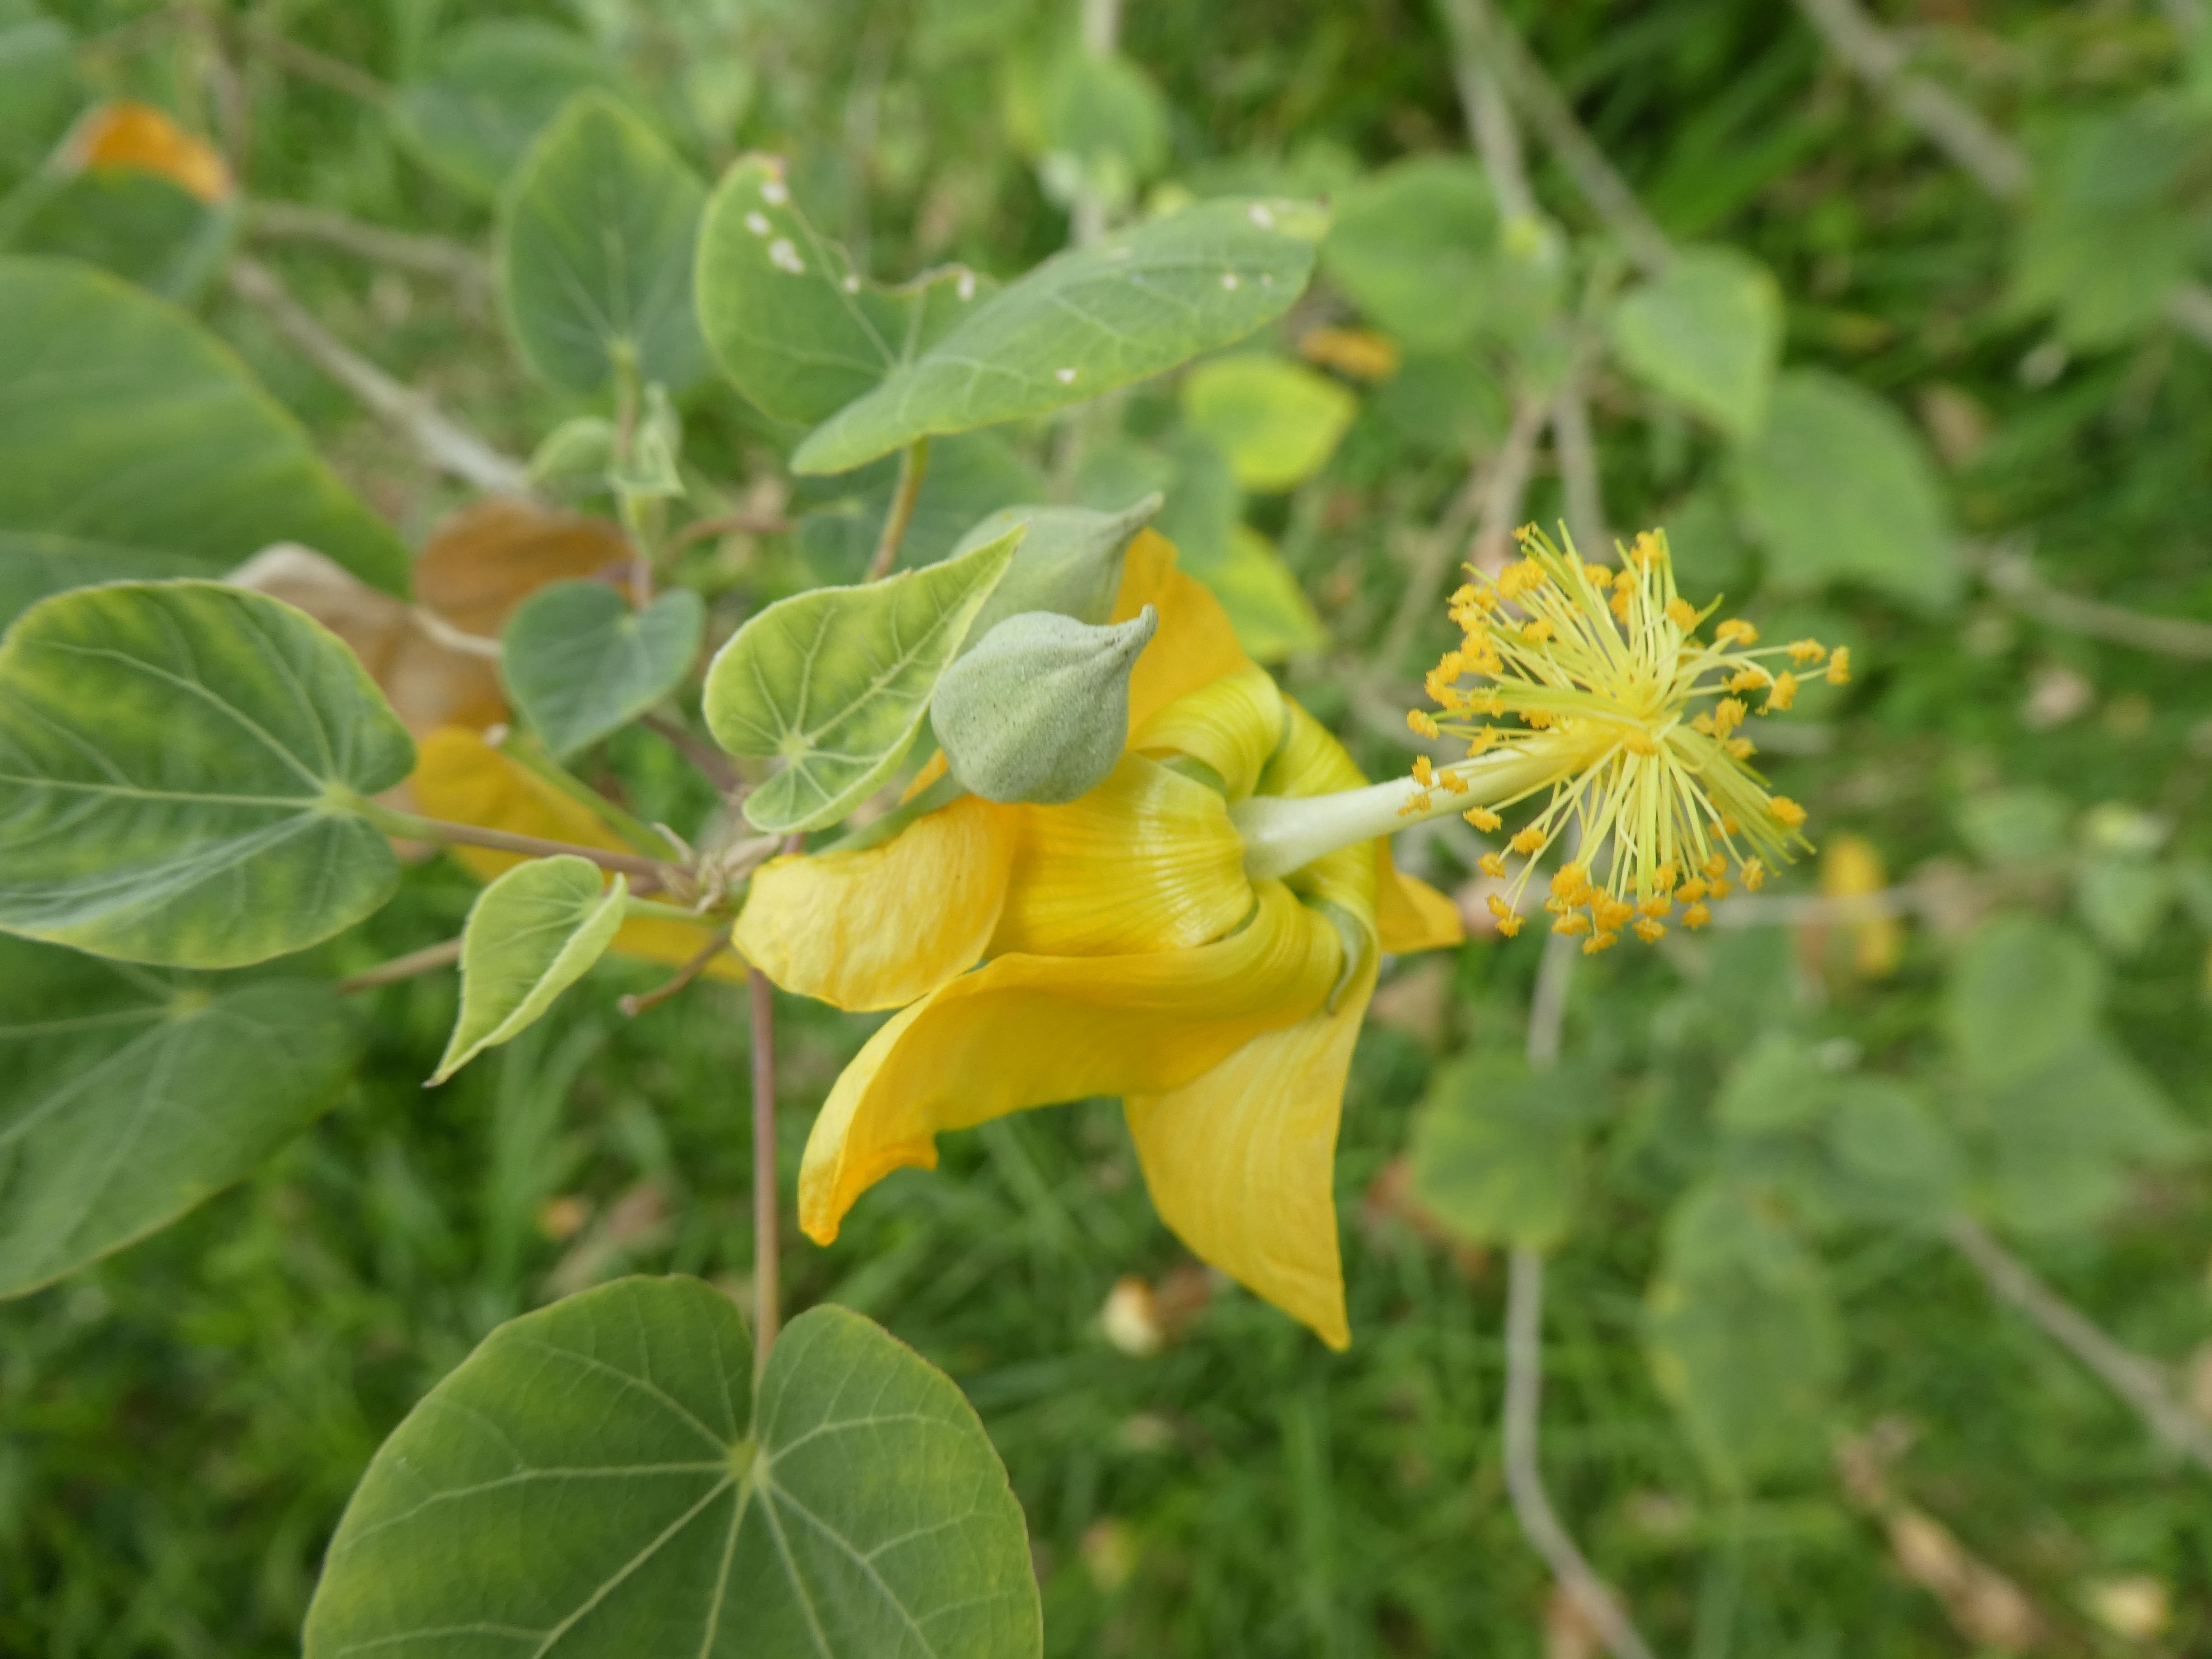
<point x="127" y="134"/>
<point x="1278" y="423"/>
<point x="1365" y="353"/>
<point x="486" y="559"/>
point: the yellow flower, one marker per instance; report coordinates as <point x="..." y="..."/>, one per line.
<point x="1117" y="946"/>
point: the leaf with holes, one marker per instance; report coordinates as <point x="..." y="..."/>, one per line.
<point x="1084" y="322"/>
<point x="578" y="663"/>
<point x="531" y="935"/>
<point x="181" y="766"/>
<point x="134" y="444"/>
<point x="601" y="1480"/>
<point x="835" y="683"/>
<point x="794" y="325"/>
<point x="596" y="248"/>
<point x="130" y="1100"/>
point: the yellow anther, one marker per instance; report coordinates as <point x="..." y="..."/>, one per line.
<point x="1682" y="613"/>
<point x="1424" y="774"/>
<point x="1716" y="865"/>
<point x="1754" y="873"/>
<point x="1741" y="748"/>
<point x="1646" y="551"/>
<point x="1600" y="942"/>
<point x="1804" y="651"/>
<point x="1508" y="925"/>
<point x="1539" y="632"/>
<point x="1573" y="922"/>
<point x="1527" y="841"/>
<point x="1693" y="889"/>
<point x="1786" y="811"/>
<point x="1638" y="741"/>
<point x="1539" y="719"/>
<point x="1729" y="826"/>
<point x="1839" y="667"/>
<point x="1611" y="912"/>
<point x="1415" y="804"/>
<point x="1618" y="603"/>
<point x="1727" y="714"/>
<point x="1719" y="890"/>
<point x="1482" y="817"/>
<point x="1747" y="679"/>
<point x="1665" y="877"/>
<point x="1570" y="881"/>
<point x="1696" y="916"/>
<point x="1783" y="694"/>
<point x="1492" y="865"/>
<point x="1650" y="931"/>
<point x="1598" y="574"/>
<point x="1656" y="907"/>
<point x="1484" y="737"/>
<point x="1736" y="631"/>
<point x="1425" y="725"/>
<point x="1454" y="784"/>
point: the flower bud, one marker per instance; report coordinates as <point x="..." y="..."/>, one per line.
<point x="1039" y="711"/>
<point x="1069" y="561"/>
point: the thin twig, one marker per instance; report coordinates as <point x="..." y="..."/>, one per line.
<point x="311" y="66"/>
<point x="409" y="827"/>
<point x="427" y="960"/>
<point x="1883" y="62"/>
<point x="727" y="524"/>
<point x="767" y="1237"/>
<point x="914" y="464"/>
<point x="2134" y="1378"/>
<point x="1482" y="37"/>
<point x="2012" y="574"/>
<point x="1576" y="449"/>
<point x="1524" y="1361"/>
<point x="709" y="760"/>
<point x="441" y="442"/>
<point x="424" y="255"/>
<point x="637" y="1004"/>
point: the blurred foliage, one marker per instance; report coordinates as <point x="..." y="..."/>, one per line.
<point x="1745" y="1183"/>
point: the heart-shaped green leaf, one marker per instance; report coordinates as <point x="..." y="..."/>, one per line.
<point x="1839" y="488"/>
<point x="1277" y="422"/>
<point x="1744" y="1340"/>
<point x="578" y="663"/>
<point x="101" y="383"/>
<point x="1707" y="333"/>
<point x="531" y="935"/>
<point x="130" y="1100"/>
<point x="835" y="683"/>
<point x="1498" y="1149"/>
<point x="596" y="249"/>
<point x="795" y="328"/>
<point x="1084" y="322"/>
<point x="600" y="1480"/>
<point x="181" y="765"/>
<point x="493" y="86"/>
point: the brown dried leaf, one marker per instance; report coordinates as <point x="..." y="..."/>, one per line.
<point x="493" y="554"/>
<point x="427" y="684"/>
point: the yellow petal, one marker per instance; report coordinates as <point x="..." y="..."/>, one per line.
<point x="1025" y="1030"/>
<point x="1232" y="725"/>
<point x="880" y="927"/>
<point x="1196" y="643"/>
<point x="1312" y="763"/>
<point x="1409" y="914"/>
<point x="462" y="778"/>
<point x="1240" y="1162"/>
<point x="1146" y="861"/>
